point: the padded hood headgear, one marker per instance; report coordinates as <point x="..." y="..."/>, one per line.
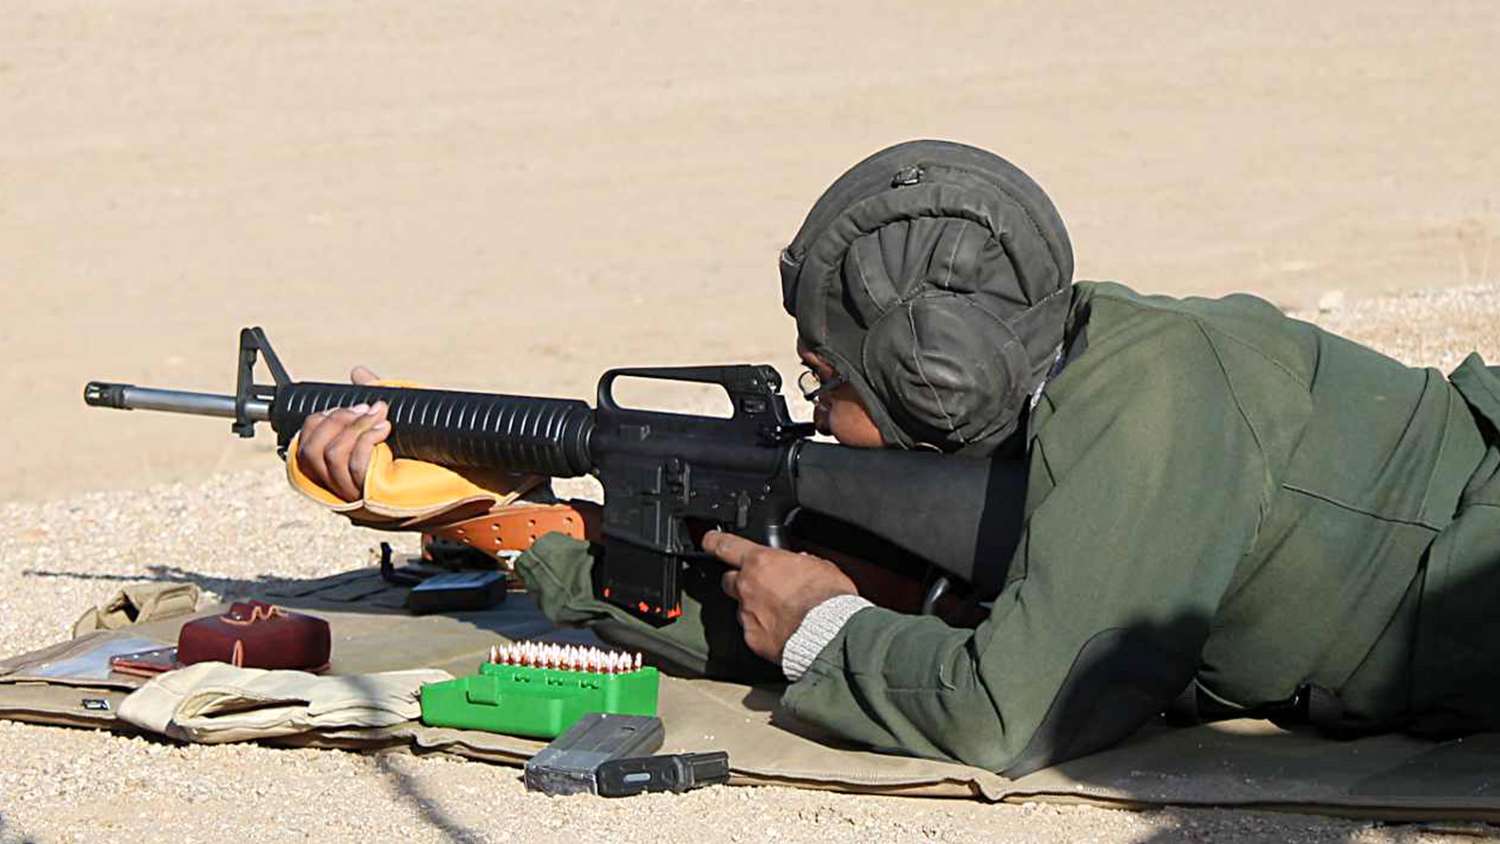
<point x="935" y="277"/>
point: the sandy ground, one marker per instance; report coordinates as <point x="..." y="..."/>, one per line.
<point x="515" y="196"/>
<point x="235" y="531"/>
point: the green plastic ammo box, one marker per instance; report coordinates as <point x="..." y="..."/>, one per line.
<point x="539" y="702"/>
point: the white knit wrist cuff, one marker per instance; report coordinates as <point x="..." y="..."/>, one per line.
<point x="820" y="626"/>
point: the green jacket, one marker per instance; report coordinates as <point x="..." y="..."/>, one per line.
<point x="1217" y="492"/>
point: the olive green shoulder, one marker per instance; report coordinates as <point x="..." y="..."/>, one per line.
<point x="1240" y="326"/>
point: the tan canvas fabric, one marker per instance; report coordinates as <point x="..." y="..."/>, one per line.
<point x="139" y="604"/>
<point x="1236" y="763"/>
<point x="213" y="703"/>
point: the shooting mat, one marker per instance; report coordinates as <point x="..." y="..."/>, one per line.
<point x="1248" y="764"/>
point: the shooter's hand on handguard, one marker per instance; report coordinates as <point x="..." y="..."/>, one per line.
<point x="340" y="459"/>
<point x="334" y="448"/>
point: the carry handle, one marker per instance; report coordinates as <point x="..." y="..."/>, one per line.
<point x="751" y="387"/>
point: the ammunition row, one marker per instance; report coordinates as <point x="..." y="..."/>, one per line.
<point x="565" y="657"/>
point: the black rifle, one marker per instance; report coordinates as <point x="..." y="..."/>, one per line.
<point x="666" y="476"/>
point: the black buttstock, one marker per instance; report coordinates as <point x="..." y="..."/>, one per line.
<point x="459" y="429"/>
<point x="963" y="516"/>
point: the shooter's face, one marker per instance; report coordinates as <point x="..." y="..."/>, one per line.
<point x="839" y="411"/>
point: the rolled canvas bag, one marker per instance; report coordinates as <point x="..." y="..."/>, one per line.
<point x="255" y="634"/>
<point x="137" y="604"/>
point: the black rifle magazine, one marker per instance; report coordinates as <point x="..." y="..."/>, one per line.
<point x="569" y="764"/>
<point x="458" y="591"/>
<point x="674" y="772"/>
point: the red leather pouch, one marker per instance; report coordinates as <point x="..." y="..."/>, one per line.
<point x="255" y="634"/>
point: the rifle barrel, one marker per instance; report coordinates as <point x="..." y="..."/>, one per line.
<point x="131" y="397"/>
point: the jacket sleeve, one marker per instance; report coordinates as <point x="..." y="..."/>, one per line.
<point x="1141" y="503"/>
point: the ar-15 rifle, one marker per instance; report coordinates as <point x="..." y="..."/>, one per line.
<point x="662" y="473"/>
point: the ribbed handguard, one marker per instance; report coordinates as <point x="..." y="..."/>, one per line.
<point x="458" y="429"/>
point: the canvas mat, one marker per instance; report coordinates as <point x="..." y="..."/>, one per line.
<point x="1235" y="763"/>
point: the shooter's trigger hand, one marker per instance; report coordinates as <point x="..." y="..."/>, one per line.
<point x="334" y="448"/>
<point x="775" y="588"/>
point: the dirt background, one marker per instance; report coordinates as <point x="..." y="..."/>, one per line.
<point x="515" y="196"/>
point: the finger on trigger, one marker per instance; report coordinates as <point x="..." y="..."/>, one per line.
<point x="730" y="549"/>
<point x="711" y="540"/>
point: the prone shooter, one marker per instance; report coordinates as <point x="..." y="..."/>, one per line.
<point x="1226" y="512"/>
